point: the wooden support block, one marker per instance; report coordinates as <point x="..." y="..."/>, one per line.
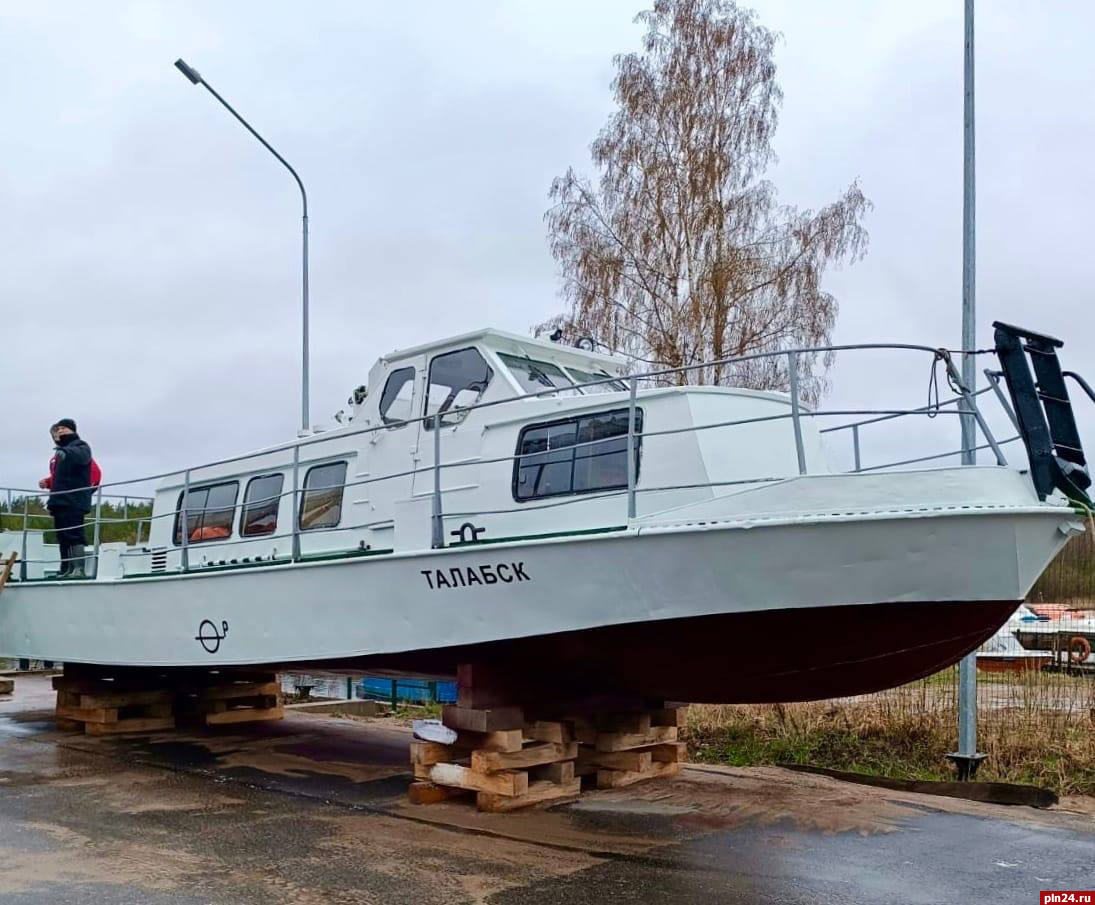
<point x="153" y="724"/>
<point x="624" y="722"/>
<point x="503" y="740"/>
<point x="93" y="685"/>
<point x="123" y="698"/>
<point x="428" y="793"/>
<point x="669" y="716"/>
<point x="586" y="734"/>
<point x="7" y="686"/>
<point x="631" y="761"/>
<point x="479" y="685"/>
<point x="244" y="715"/>
<point x="560" y="771"/>
<point x="584" y="768"/>
<point x="503" y="783"/>
<point x="237" y="690"/>
<point x="613" y="779"/>
<point x="493" y="720"/>
<point x="64" y="725"/>
<point x="543" y="731"/>
<point x="622" y="741"/>
<point x="70" y="699"/>
<point x="259" y="701"/>
<point x="530" y="756"/>
<point x="89" y="715"/>
<point x="670" y="752"/>
<point x="538" y="792"/>
<point x="430" y="752"/>
<point x="421" y="771"/>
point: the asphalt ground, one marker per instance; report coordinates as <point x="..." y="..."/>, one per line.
<point x="312" y="810"/>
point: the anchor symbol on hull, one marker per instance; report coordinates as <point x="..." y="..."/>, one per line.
<point x="210" y="637"/>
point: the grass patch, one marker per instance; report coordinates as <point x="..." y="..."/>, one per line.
<point x="1038" y="730"/>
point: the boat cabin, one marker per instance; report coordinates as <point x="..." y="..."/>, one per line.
<point x="533" y="441"/>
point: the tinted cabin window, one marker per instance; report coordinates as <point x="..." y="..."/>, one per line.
<point x="260" y="505"/>
<point x="457" y="379"/>
<point x="395" y="400"/>
<point x="554" y="461"/>
<point x="535" y="376"/>
<point x="210" y="512"/>
<point x="321" y="502"/>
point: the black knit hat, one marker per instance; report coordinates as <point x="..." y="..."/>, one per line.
<point x="67" y="422"/>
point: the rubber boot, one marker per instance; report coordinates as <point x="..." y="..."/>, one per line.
<point x="76" y="554"/>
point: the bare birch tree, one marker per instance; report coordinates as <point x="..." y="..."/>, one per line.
<point x="680" y="252"/>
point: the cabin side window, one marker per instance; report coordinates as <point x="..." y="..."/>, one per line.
<point x="210" y="512"/>
<point x="585" y="454"/>
<point x="457" y="379"/>
<point x="260" y="505"/>
<point x="397" y="398"/>
<point x="321" y="501"/>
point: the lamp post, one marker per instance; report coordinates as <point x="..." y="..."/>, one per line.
<point x="967" y="758"/>
<point x="195" y="77"/>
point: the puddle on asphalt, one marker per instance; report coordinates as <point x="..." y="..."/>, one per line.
<point x="623" y="806"/>
<point x="11" y="728"/>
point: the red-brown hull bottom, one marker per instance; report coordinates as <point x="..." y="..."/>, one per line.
<point x="759" y="657"/>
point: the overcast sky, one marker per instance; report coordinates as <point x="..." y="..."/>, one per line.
<point x="150" y="281"/>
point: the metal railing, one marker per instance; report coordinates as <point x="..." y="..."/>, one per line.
<point x="964" y="404"/>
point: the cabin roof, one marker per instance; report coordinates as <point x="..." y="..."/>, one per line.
<point x="502" y="341"/>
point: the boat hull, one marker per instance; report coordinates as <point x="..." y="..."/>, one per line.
<point x="749" y="612"/>
<point x="762" y="657"/>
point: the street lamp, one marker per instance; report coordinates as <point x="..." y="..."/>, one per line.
<point x="195" y="77"/>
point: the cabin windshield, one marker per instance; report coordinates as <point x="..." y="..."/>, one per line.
<point x="609" y="386"/>
<point x="537" y="376"/>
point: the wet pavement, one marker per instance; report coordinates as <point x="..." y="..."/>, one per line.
<point x="313" y="810"/>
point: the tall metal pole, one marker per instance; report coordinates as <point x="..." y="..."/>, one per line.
<point x="195" y="77"/>
<point x="967" y="758"/>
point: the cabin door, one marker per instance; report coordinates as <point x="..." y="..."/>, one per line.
<point x="391" y="451"/>
<point x="454" y="381"/>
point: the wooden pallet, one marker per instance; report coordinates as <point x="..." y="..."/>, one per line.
<point x="219" y="700"/>
<point x="618" y="749"/>
<point x="103" y="709"/>
<point x="506" y="762"/>
<point x="100" y="701"/>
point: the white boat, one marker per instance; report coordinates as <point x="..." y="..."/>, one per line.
<point x="1067" y="641"/>
<point x="496" y="499"/>
<point x="1003" y="652"/>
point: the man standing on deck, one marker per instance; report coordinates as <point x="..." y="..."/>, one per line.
<point x="69" y="484"/>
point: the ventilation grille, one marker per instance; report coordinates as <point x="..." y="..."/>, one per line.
<point x="159" y="559"/>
